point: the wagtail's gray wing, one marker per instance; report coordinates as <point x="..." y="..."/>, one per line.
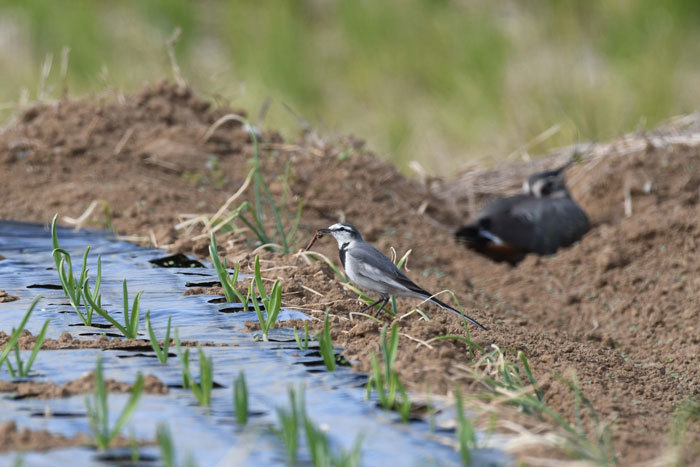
<point x="373" y="265"/>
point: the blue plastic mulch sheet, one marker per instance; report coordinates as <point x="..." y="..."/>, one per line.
<point x="208" y="436"/>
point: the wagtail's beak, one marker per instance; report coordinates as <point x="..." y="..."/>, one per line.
<point x="325" y="231"/>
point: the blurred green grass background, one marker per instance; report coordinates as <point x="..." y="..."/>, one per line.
<point x="442" y="82"/>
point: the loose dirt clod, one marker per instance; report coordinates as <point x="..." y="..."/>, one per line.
<point x="6" y="297"/>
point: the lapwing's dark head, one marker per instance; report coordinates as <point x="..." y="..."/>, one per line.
<point x="343" y="232"/>
<point x="548" y="184"/>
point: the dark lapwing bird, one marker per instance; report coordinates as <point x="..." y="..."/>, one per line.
<point x="370" y="269"/>
<point x="541" y="220"/>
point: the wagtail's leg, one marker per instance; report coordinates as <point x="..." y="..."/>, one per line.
<point x="371" y="305"/>
<point x="386" y="300"/>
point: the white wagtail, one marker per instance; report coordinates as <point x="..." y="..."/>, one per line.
<point x="541" y="220"/>
<point x="370" y="269"/>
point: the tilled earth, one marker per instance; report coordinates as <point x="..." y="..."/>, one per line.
<point x="619" y="310"/>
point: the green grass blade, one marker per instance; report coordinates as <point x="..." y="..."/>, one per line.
<point x="530" y="377"/>
<point x="405" y="407"/>
<point x="83" y="270"/>
<point x="54" y="237"/>
<point x="101" y="407"/>
<point x="326" y="345"/>
<point x="67" y="282"/>
<point x="166" y="341"/>
<point x="136" y="390"/>
<point x="165" y="444"/>
<point x="465" y="433"/>
<point x="240" y="399"/>
<point x="37" y="346"/>
<point x="125" y="305"/>
<point x="206" y="381"/>
<point x="135" y="315"/>
<point x="258" y="313"/>
<point x="274" y="304"/>
<point x="220" y="270"/>
<point x="295" y="226"/>
<point x="262" y="236"/>
<point x="394" y="308"/>
<point x="14" y="338"/>
<point x="393" y="345"/>
<point x="103" y="313"/>
<point x="154" y="339"/>
<point x="234" y="281"/>
<point x="18" y="361"/>
<point x="98" y="280"/>
<point x="276" y="214"/>
<point x="296" y="338"/>
<point x="259" y="281"/>
<point x="11" y="369"/>
<point x="184" y="358"/>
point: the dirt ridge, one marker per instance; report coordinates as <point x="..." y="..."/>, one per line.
<point x="619" y="308"/>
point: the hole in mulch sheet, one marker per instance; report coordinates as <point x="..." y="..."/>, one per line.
<point x="342" y="361"/>
<point x="279" y="339"/>
<point x="134" y="348"/>
<point x="238" y="307"/>
<point x="311" y="363"/>
<point x="359" y="379"/>
<point x="223" y="300"/>
<point x="122" y="457"/>
<point x="145" y="355"/>
<point x="45" y="286"/>
<point x="417" y="412"/>
<point x="251" y="414"/>
<point x="445" y="430"/>
<point x="339" y="358"/>
<point x="178" y="260"/>
<point x="19" y="397"/>
<point x="94" y="325"/>
<point x="215" y="385"/>
<point x="203" y="284"/>
<point x="100" y="334"/>
<point x="58" y="414"/>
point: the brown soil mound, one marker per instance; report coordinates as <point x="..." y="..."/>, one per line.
<point x="67" y="342"/>
<point x="618" y="309"/>
<point x="12" y="439"/>
<point x="86" y="383"/>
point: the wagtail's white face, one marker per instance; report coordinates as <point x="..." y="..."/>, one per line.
<point x="343" y="232"/>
